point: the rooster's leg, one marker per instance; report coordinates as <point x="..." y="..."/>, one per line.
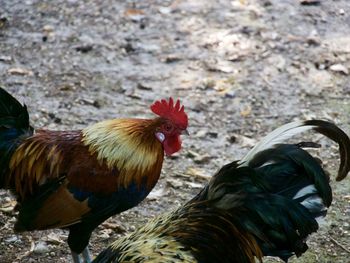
<point x="76" y="258"/>
<point x="86" y="255"/>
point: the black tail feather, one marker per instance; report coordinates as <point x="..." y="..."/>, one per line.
<point x="14" y="127"/>
<point x="283" y="190"/>
<point x="12" y="113"/>
<point x="334" y="133"/>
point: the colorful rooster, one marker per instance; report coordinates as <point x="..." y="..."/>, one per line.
<point x="264" y="205"/>
<point x="78" y="179"/>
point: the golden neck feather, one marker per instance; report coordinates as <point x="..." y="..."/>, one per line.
<point x="126" y="144"/>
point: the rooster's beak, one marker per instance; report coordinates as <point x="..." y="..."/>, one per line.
<point x="185" y="132"/>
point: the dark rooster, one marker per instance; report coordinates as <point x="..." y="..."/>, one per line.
<point x="265" y="204"/>
<point x="78" y="179"/>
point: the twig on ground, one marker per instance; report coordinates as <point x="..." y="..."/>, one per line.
<point x="338" y="244"/>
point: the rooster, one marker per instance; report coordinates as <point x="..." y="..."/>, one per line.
<point x="77" y="179"/>
<point x="263" y="205"/>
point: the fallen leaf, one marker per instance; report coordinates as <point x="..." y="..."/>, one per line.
<point x="197" y="173"/>
<point x="27" y="253"/>
<point x="194" y="185"/>
<point x="174" y="183"/>
<point x="6" y="59"/>
<point x="245" y="141"/>
<point x="155" y="194"/>
<point x="54" y="239"/>
<point x="246" y="112"/>
<point x="309" y="2"/>
<point x="143" y="86"/>
<point x="20" y="71"/>
<point x="215" y="65"/>
<point x="135" y="14"/>
<point x="115" y="227"/>
<point x="48" y="29"/>
<point x="339" y="68"/>
<point x="8" y="207"/>
<point x="165" y="10"/>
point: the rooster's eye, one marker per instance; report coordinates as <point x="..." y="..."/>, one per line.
<point x="168" y="127"/>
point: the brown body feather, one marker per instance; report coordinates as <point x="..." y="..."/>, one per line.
<point x="74" y="157"/>
<point x="52" y="154"/>
<point x="78" y="179"/>
<point x="60" y="209"/>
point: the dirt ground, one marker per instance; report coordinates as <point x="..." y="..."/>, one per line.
<point x="241" y="68"/>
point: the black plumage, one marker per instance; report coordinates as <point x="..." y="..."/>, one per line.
<point x="266" y="204"/>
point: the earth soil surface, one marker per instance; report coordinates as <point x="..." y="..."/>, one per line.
<point x="240" y="67"/>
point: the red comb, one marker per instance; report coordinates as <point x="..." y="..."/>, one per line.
<point x="167" y="110"/>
